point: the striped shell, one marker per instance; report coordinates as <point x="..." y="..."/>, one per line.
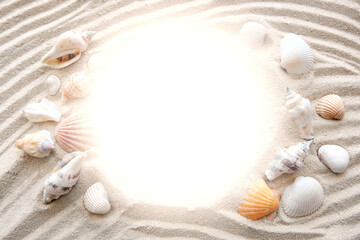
<point x="331" y="107"/>
<point x="42" y="111"/>
<point x="335" y="157"/>
<point x="260" y="201"/>
<point x="78" y="86"/>
<point x="96" y="199"/>
<point x="38" y="144"/>
<point x="76" y="133"/>
<point x="252" y="34"/>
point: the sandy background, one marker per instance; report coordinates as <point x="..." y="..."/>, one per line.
<point x="331" y="28"/>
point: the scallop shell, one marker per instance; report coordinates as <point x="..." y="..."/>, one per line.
<point x="335" y="157"/>
<point x="252" y="34"/>
<point x="38" y="144"/>
<point x="331" y="107"/>
<point x="68" y="48"/>
<point x="42" y="111"/>
<point x="288" y="160"/>
<point x="260" y="201"/>
<point x="78" y="86"/>
<point x="304" y="197"/>
<point x="296" y="54"/>
<point x="64" y="176"/>
<point x="76" y="133"/>
<point x="299" y="109"/>
<point x="96" y="199"/>
<point x="53" y="84"/>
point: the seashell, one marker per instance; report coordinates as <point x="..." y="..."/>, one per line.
<point x="68" y="48"/>
<point x="304" y="197"/>
<point x="288" y="160"/>
<point x="64" y="176"/>
<point x="296" y="54"/>
<point x="78" y="86"/>
<point x="53" y="84"/>
<point x="252" y="34"/>
<point x="331" y="107"/>
<point x="260" y="201"/>
<point x="42" y="111"/>
<point x="96" y="199"/>
<point x="335" y="157"/>
<point x="300" y="111"/>
<point x="76" y="133"/>
<point x="38" y="144"/>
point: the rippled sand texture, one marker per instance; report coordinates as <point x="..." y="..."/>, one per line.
<point x="331" y="27"/>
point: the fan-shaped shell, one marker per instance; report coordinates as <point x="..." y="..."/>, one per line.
<point x="38" y="144"/>
<point x="304" y="197"/>
<point x="76" y="133"/>
<point x="64" y="176"/>
<point x="252" y="34"/>
<point x="42" y="111"/>
<point x="331" y="107"/>
<point x="260" y="201"/>
<point x="53" y="84"/>
<point x="96" y="199"/>
<point x="335" y="157"/>
<point x="296" y="54"/>
<point x="78" y="86"/>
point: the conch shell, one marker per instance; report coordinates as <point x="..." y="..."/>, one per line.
<point x="68" y="48"/>
<point x="38" y="144"/>
<point x="288" y="160"/>
<point x="96" y="199"/>
<point x="78" y="86"/>
<point x="42" y="111"/>
<point x="331" y="107"/>
<point x="64" y="176"/>
<point x="300" y="111"/>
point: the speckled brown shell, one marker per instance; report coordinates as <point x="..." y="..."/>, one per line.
<point x="331" y="107"/>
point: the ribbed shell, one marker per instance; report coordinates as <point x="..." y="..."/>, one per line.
<point x="78" y="86"/>
<point x="252" y="34"/>
<point x="260" y="201"/>
<point x="96" y="199"/>
<point x="304" y="197"/>
<point x="42" y="111"/>
<point x="331" y="107"/>
<point x="53" y="84"/>
<point x="38" y="144"/>
<point x="335" y="157"/>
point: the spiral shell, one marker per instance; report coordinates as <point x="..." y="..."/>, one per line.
<point x="252" y="34"/>
<point x="38" y="144"/>
<point x="53" y="84"/>
<point x="42" y="111"/>
<point x="335" y="157"/>
<point x="331" y="107"/>
<point x="96" y="199"/>
<point x="78" y="86"/>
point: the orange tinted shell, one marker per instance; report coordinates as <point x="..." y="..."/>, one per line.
<point x="331" y="107"/>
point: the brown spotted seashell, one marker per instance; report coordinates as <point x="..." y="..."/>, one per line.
<point x="331" y="107"/>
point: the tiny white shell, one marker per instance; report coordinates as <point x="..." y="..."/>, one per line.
<point x="296" y="54"/>
<point x="42" y="111"/>
<point x="335" y="157"/>
<point x="53" y="84"/>
<point x="96" y="199"/>
<point x="304" y="197"/>
<point x="252" y="34"/>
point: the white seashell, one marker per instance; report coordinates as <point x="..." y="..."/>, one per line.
<point x="64" y="176"/>
<point x="252" y="34"/>
<point x="304" y="197"/>
<point x="96" y="199"/>
<point x="296" y="54"/>
<point x="38" y="144"/>
<point x="288" y="160"/>
<point x="300" y="111"/>
<point x="78" y="86"/>
<point x="68" y="48"/>
<point x="42" y="111"/>
<point x="53" y="84"/>
<point x="335" y="157"/>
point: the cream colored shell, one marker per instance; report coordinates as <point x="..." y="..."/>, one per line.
<point x="38" y="144"/>
<point x="252" y="34"/>
<point x="42" y="111"/>
<point x="53" y="84"/>
<point x="331" y="107"/>
<point x="78" y="86"/>
<point x="96" y="199"/>
<point x="335" y="157"/>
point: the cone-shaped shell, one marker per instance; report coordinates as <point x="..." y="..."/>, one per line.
<point x="304" y="197"/>
<point x="76" y="133"/>
<point x="296" y="54"/>
<point x="53" y="84"/>
<point x="67" y="48"/>
<point x="335" y="157"/>
<point x="252" y="34"/>
<point x="288" y="160"/>
<point x="299" y="109"/>
<point x="42" y="111"/>
<point x="38" y="144"/>
<point x="96" y="199"/>
<point x="331" y="107"/>
<point x="78" y="86"/>
<point x="64" y="176"/>
<point x="260" y="201"/>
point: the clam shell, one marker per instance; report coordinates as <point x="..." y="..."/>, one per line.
<point x="252" y="34"/>
<point x="96" y="199"/>
<point x="53" y="84"/>
<point x="331" y="107"/>
<point x="260" y="201"/>
<point x="38" y="144"/>
<point x="335" y="157"/>
<point x="42" y="111"/>
<point x="304" y="197"/>
<point x="296" y="54"/>
<point x="78" y="86"/>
